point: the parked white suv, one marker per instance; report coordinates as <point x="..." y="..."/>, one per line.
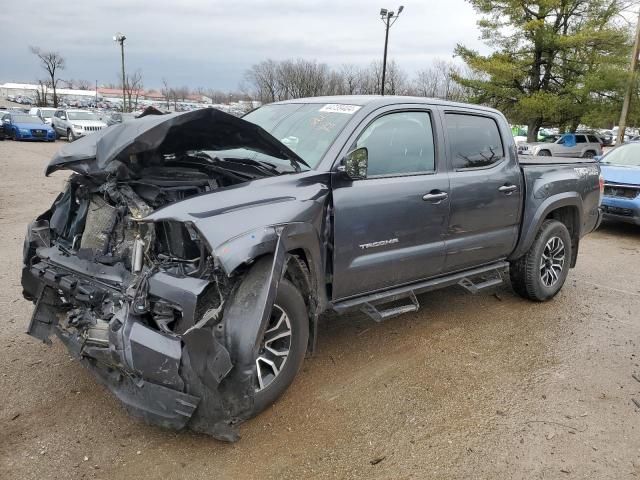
<point x="577" y="145"/>
<point x="74" y="124"/>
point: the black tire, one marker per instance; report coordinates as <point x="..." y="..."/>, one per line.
<point x="589" y="154"/>
<point x="14" y="136"/>
<point x="544" y="153"/>
<point x="526" y="273"/>
<point x="70" y="136"/>
<point x="291" y="302"/>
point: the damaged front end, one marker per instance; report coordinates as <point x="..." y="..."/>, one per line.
<point x="140" y="301"/>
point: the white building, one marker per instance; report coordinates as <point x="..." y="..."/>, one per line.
<point x="30" y="89"/>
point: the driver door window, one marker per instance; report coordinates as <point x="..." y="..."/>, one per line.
<point x="399" y="144"/>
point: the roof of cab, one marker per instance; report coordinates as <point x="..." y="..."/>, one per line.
<point x="382" y="101"/>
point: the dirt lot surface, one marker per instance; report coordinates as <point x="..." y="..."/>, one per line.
<point x="487" y="386"/>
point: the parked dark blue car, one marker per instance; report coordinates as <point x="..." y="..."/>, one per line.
<point x="20" y="126"/>
<point x="621" y="172"/>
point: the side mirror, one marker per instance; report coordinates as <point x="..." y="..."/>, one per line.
<point x="354" y="164"/>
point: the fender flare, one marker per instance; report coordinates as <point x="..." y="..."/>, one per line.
<point x="296" y="236"/>
<point x="528" y="235"/>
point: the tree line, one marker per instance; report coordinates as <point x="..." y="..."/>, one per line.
<point x="272" y="80"/>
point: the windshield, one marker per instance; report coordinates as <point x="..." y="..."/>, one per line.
<point x="47" y="112"/>
<point x="81" y="116"/>
<point x="627" y="156"/>
<point x="308" y="129"/>
<point x="25" y="119"/>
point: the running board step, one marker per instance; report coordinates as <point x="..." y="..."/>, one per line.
<point x="377" y="315"/>
<point x="489" y="275"/>
<point x="472" y="287"/>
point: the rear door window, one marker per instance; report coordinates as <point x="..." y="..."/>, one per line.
<point x="581" y="139"/>
<point x="475" y="141"/>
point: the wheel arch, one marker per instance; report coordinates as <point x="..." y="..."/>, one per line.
<point x="565" y="208"/>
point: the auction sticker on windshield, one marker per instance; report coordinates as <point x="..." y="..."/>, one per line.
<point x="339" y="108"/>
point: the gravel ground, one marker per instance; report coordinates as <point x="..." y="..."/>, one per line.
<point x="487" y="386"/>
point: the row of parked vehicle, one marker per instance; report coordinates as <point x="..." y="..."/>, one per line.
<point x="49" y="124"/>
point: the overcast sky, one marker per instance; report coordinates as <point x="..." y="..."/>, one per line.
<point x="211" y="43"/>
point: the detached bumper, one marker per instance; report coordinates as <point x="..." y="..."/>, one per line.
<point x="152" y="402"/>
<point x="139" y="365"/>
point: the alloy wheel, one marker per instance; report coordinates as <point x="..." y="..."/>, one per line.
<point x="274" y="348"/>
<point x="552" y="261"/>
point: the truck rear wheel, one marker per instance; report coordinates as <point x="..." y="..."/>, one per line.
<point x="541" y="272"/>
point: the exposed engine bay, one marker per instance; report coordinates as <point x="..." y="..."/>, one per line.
<point x="100" y="223"/>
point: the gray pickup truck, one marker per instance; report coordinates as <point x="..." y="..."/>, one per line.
<point x="191" y="255"/>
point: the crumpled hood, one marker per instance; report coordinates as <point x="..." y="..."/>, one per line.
<point x="204" y="129"/>
<point x="621" y="175"/>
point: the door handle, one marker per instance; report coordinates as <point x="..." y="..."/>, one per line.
<point x="508" y="189"/>
<point x="435" y="196"/>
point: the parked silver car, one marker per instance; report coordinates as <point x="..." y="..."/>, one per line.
<point x="46" y="114"/>
<point x="568" y="145"/>
<point x="74" y="124"/>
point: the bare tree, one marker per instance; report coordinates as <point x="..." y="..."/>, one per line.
<point x="350" y="75"/>
<point x="133" y="89"/>
<point x="166" y="92"/>
<point x="83" y="84"/>
<point x="42" y="92"/>
<point x="263" y="78"/>
<point x="438" y="81"/>
<point x="396" y="79"/>
<point x="52" y="62"/>
<point x="183" y="92"/>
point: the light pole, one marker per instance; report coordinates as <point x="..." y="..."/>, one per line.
<point x="120" y="38"/>
<point x="388" y="18"/>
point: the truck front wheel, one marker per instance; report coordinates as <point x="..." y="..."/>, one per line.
<point x="282" y="348"/>
<point x="541" y="272"/>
